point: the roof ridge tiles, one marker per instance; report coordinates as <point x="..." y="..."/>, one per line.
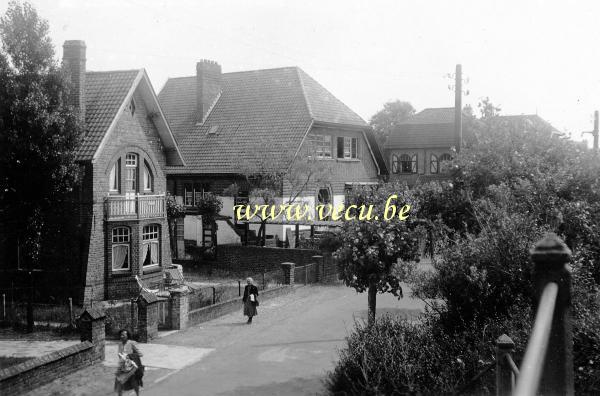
<point x="306" y="101"/>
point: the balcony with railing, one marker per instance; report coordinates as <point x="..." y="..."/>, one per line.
<point x="136" y="207"/>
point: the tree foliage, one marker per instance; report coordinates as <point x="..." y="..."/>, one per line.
<point x="275" y="174"/>
<point x="511" y="183"/>
<point x="370" y="249"/>
<point x="38" y="129"/>
<point x="388" y="118"/>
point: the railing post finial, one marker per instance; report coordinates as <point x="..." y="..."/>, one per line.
<point x="550" y="257"/>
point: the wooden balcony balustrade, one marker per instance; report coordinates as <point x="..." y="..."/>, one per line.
<point x="136" y="207"/>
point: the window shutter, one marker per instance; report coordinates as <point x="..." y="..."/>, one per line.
<point x="340" y="147"/>
<point x="354" y="148"/>
<point x="414" y="163"/>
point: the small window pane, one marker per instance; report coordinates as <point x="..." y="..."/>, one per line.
<point x="354" y="148"/>
<point x="150" y="232"/>
<point x="120" y="235"/>
<point x="131" y="159"/>
<point x="340" y="147"/>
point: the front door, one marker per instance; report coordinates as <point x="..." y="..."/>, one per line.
<point x="131" y="181"/>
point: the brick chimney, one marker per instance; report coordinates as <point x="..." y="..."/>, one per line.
<point x="74" y="64"/>
<point x="208" y="87"/>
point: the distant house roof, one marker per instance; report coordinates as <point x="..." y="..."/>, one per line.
<point x="272" y="107"/>
<point x="105" y="94"/>
<point x="524" y="121"/>
<point x="432" y="127"/>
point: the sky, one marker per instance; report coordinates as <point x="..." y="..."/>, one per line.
<point x="528" y="57"/>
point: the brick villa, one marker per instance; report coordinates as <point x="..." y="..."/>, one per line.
<point x="225" y="120"/>
<point x="123" y="154"/>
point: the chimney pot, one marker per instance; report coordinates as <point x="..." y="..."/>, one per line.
<point x="74" y="63"/>
<point x="208" y="87"/>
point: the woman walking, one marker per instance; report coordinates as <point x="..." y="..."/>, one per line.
<point x="130" y="371"/>
<point x="250" y="300"/>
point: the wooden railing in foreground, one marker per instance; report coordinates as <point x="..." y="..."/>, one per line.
<point x="547" y="367"/>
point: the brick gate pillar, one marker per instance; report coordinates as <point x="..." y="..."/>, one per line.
<point x="91" y="326"/>
<point x="147" y="316"/>
<point x="178" y="309"/>
<point x="288" y="273"/>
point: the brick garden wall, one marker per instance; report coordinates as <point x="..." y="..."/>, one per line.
<point x="16" y="380"/>
<point x="255" y="259"/>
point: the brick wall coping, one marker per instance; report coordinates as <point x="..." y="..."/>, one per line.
<point x="34" y="363"/>
<point x="234" y="245"/>
<point x="225" y="307"/>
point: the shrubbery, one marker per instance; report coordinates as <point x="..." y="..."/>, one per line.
<point x="509" y="188"/>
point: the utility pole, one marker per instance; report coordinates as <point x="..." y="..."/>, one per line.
<point x="595" y="132"/>
<point x="458" y="108"/>
<point x="457" y="86"/>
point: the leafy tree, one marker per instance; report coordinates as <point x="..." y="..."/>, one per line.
<point x="386" y="119"/>
<point x="487" y="109"/>
<point x="370" y="249"/>
<point x="38" y="129"/>
<point x="274" y="178"/>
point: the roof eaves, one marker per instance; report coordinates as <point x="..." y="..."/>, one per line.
<point x="364" y="132"/>
<point x="171" y="135"/>
<point x="128" y="97"/>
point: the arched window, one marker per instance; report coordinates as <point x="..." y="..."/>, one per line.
<point x="114" y="178"/>
<point x="148" y="178"/>
<point x="434" y="164"/>
<point x="408" y="164"/>
<point x="151" y="245"/>
<point x="394" y="163"/>
<point x="121" y="240"/>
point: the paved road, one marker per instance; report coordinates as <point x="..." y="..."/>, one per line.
<point x="286" y="351"/>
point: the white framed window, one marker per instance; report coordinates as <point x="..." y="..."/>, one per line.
<point x="148" y="178"/>
<point x="347" y="147"/>
<point x="114" y="178"/>
<point x="150" y="245"/>
<point x="195" y="192"/>
<point x="121" y="239"/>
<point x="321" y="145"/>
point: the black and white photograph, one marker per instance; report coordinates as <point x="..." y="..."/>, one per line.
<point x="268" y="197"/>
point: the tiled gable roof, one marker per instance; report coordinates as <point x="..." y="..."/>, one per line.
<point x="432" y="127"/>
<point x="324" y="107"/>
<point x="104" y="94"/>
<point x="436" y="115"/>
<point x="273" y="108"/>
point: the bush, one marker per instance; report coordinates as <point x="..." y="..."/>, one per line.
<point x="396" y="357"/>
